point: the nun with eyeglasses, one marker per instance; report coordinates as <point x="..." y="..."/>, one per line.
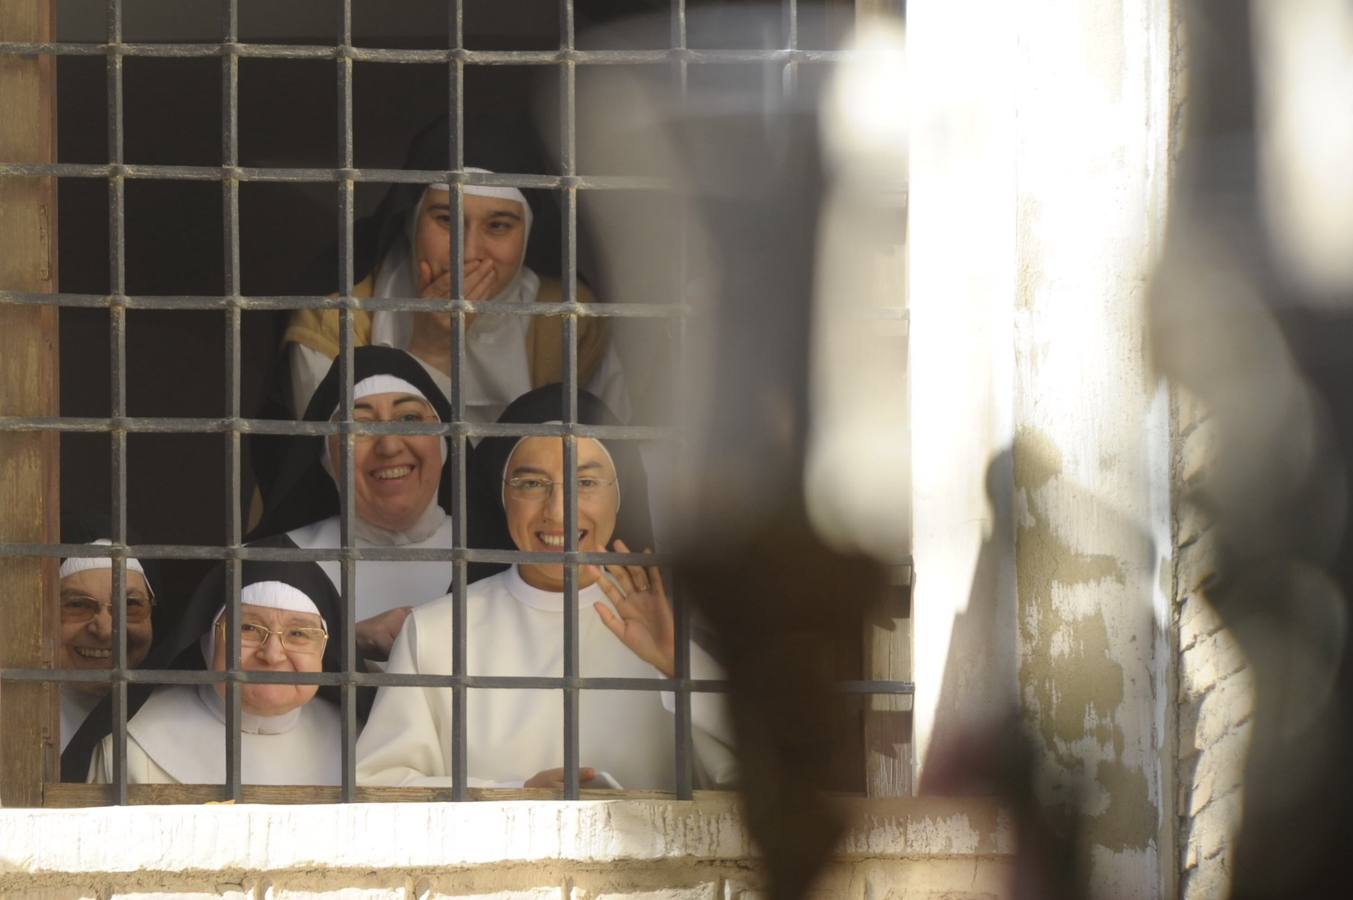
<point x="401" y="491"/>
<point x="514" y="624"/>
<point x="86" y="614"/>
<point x="289" y="615"/>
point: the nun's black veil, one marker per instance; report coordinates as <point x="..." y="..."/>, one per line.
<point x="488" y="522"/>
<point x="181" y="648"/>
<point x="500" y="144"/>
<point x="304" y="491"/>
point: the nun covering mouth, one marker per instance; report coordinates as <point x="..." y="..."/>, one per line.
<point x="505" y="355"/>
<point x="176" y="733"/>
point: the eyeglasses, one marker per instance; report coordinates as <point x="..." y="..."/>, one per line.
<point x="294" y="639"/>
<point x="531" y="488"/>
<point x="82" y="609"/>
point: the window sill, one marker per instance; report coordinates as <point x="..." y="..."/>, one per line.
<point x="407" y="836"/>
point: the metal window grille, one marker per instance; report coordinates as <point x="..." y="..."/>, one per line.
<point x="117" y="172"/>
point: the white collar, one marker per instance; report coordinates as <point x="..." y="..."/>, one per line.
<point x="250" y="723"/>
<point x="184" y="735"/>
<point x="551" y="601"/>
<point x="426" y="526"/>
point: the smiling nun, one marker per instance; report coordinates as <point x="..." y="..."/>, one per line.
<point x="289" y="613"/>
<point x="405" y="251"/>
<point x="515" y="623"/>
<point x="86" y="607"/>
<point x="401" y="491"/>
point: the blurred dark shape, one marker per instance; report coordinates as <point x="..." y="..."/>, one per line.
<point x="780" y="602"/>
<point x="741" y="152"/>
<point x="1272" y="364"/>
<point x="1000" y="761"/>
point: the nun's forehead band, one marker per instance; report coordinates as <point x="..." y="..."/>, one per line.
<point x="485" y="190"/>
<point x="383" y="384"/>
<point x="73" y="564"/>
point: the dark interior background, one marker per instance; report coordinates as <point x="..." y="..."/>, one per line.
<point x="175" y="239"/>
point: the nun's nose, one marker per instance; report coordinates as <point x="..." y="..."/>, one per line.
<point x="271" y="651"/>
<point x="474" y="244"/>
<point x="102" y="623"/>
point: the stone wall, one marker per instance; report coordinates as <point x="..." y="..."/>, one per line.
<point x="590" y="850"/>
<point x="1215" y="685"/>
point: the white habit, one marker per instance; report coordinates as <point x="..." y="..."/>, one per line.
<point x="383" y="584"/>
<point x="515" y="629"/>
<point x="176" y="738"/>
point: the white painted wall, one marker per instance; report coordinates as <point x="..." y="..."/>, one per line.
<point x="1039" y="164"/>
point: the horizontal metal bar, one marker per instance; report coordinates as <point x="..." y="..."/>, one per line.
<point x="609" y="309"/>
<point x="169" y="425"/>
<point x="329" y="176"/>
<point x="296" y="554"/>
<point x="658" y="56"/>
<point x="385" y="679"/>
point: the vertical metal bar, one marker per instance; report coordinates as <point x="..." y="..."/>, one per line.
<point x="571" y="723"/>
<point x="459" y="640"/>
<point x="117" y="314"/>
<point x="233" y="719"/>
<point x="230" y="199"/>
<point x="569" y="336"/>
<point x="682" y="751"/>
<point x="348" y="578"/>
<point x="789" y="84"/>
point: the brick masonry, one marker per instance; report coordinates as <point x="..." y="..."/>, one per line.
<point x="1215" y="684"/>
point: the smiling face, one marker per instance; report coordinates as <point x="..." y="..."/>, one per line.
<point x="271" y="656"/>
<point x="395" y="476"/>
<point x="87" y="640"/>
<point x="495" y="234"/>
<point x="537" y="523"/>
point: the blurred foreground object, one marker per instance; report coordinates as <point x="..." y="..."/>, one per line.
<point x="785" y="599"/>
<point x="1253" y="317"/>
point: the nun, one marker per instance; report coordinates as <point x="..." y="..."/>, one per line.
<point x="405" y="251"/>
<point x="401" y="491"/>
<point x="515" y="627"/>
<point x="86" y="606"/>
<point x="288" y="735"/>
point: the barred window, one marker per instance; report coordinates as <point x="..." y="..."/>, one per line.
<point x="209" y="164"/>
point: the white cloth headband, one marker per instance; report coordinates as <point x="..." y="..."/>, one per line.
<point x="502" y="496"/>
<point x="268" y="594"/>
<point x="486" y="190"/>
<point x="382" y="384"/>
<point x="72" y="564"/>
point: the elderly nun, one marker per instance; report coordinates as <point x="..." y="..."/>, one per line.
<point x="401" y="491"/>
<point x="288" y="615"/>
<point x="86" y="606"/>
<point x="405" y="251"/>
<point x="515" y="627"/>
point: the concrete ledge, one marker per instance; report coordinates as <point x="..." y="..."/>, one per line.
<point x="439" y="836"/>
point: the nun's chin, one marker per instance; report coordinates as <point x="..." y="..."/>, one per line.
<point x="274" y="699"/>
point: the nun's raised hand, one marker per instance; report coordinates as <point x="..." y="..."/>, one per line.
<point x="642" y="618"/>
<point x="376" y="635"/>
